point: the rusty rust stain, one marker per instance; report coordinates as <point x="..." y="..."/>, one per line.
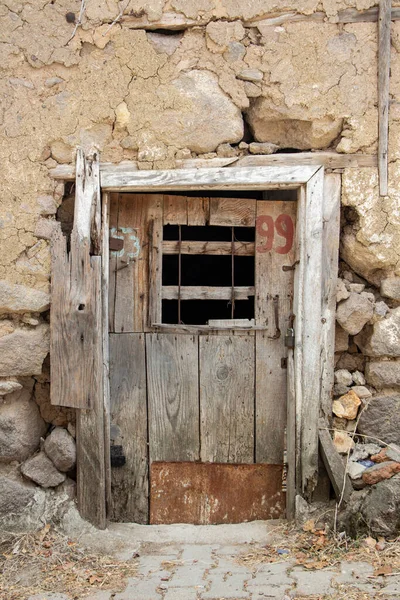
<point x="213" y="493"/>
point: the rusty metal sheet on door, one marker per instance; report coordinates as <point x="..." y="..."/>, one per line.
<point x="213" y="493"/>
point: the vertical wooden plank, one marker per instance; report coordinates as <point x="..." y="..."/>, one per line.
<point x="129" y="427"/>
<point x="136" y="212"/>
<point x="384" y="22"/>
<point x="155" y="268"/>
<point x="275" y="249"/>
<point x="105" y="262"/>
<point x="227" y="399"/>
<point x="91" y="492"/>
<point x="173" y="397"/>
<point x="330" y="259"/>
<point x="311" y="335"/>
<point x="232" y="212"/>
<point x="113" y="233"/>
<point x="291" y="439"/>
<point x="198" y="211"/>
<point x="175" y="210"/>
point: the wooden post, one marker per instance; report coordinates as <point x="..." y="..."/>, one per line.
<point x="385" y="10"/>
<point x="76" y="346"/>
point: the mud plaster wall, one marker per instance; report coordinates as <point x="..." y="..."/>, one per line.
<point x="227" y="76"/>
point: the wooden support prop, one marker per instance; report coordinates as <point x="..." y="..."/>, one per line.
<point x="385" y="9"/>
<point x="334" y="465"/>
<point x="210" y="248"/>
<point x="188" y="292"/>
<point x="74" y="339"/>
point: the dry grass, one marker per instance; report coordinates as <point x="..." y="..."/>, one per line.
<point x="47" y="561"/>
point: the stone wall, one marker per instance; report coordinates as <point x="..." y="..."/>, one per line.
<point x="167" y="80"/>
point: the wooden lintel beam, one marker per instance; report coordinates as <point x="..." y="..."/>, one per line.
<point x="385" y="9"/>
<point x="332" y="160"/>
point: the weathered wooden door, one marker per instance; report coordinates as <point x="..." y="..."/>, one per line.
<point x="201" y="294"/>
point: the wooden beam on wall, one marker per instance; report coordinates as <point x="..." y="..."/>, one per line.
<point x="385" y="9"/>
<point x="332" y="160"/>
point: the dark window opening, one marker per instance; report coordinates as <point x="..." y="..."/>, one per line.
<point x="208" y="273"/>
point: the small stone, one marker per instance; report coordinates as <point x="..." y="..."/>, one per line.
<point x="393" y="452"/>
<point x="341" y="339"/>
<point x="390" y="288"/>
<point x="23" y="351"/>
<point x="340" y="390"/>
<point x="342" y="293"/>
<point x="351" y="362"/>
<point x="252" y="90"/>
<point x="164" y="44"/>
<point x="355" y="470"/>
<point x="357" y="287"/>
<point x="383" y="374"/>
<point x="346" y="407"/>
<point x="383" y="338"/>
<point x="362" y="451"/>
<point x="358" y="378"/>
<point x="361" y="391"/>
<point x="250" y="75"/>
<point x="47" y="205"/>
<point x="381" y="471"/>
<point x="354" y="312"/>
<point x="380" y="457"/>
<point x="263" y="148"/>
<point x="60" y="448"/>
<point x="9" y="386"/>
<point x="235" y="52"/>
<point x="183" y="154"/>
<point x="41" y="470"/>
<point x="380" y="311"/>
<point x="344" y="377"/>
<point x="61" y="152"/>
<point x="348" y="276"/>
<point x="339" y="424"/>
<point x="45" y="228"/>
<point x="243" y="145"/>
<point x="343" y="442"/>
<point x="226" y="151"/>
<point x="52" y="81"/>
<point x="20" y="299"/>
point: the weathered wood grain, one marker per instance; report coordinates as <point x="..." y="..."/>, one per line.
<point x="73" y="340"/>
<point x="210" y="248"/>
<point x="333" y="160"/>
<point x="334" y="464"/>
<point x="198" y="211"/>
<point x="155" y="269"/>
<point x="349" y="15"/>
<point x="188" y="292"/>
<point x="175" y="210"/>
<point x="105" y="261"/>
<point x="173" y="397"/>
<point x="311" y="256"/>
<point x="232" y="212"/>
<point x="385" y="10"/>
<point x="330" y="259"/>
<point x="290" y="439"/>
<point x="91" y="477"/>
<point x="273" y="306"/>
<point x="129" y="427"/>
<point x="136" y="215"/>
<point x="113" y="232"/>
<point x="227" y="399"/>
<point x="197" y="179"/>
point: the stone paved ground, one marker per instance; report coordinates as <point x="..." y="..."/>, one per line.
<point x="184" y="571"/>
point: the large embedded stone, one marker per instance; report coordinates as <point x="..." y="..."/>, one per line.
<point x="179" y="114"/>
<point x="15" y="496"/>
<point x="346" y="407"/>
<point x="383" y="338"/>
<point x="41" y="470"/>
<point x="278" y="125"/>
<point x="21" y="426"/>
<point x="390" y="288"/>
<point x="381" y="419"/>
<point x="19" y="299"/>
<point x="60" y="448"/>
<point x="383" y="374"/>
<point x="353" y="313"/>
<point x="23" y="351"/>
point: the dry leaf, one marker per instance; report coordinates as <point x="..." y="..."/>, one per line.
<point x="385" y="570"/>
<point x="370" y="542"/>
<point x="309" y="525"/>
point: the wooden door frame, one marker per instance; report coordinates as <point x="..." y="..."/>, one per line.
<point x="310" y="364"/>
